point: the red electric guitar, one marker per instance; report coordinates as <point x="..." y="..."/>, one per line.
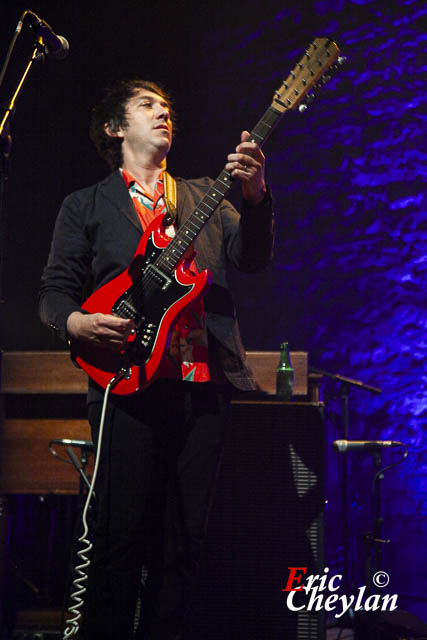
<point x="157" y="286"/>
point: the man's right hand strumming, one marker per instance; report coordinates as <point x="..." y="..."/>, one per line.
<point x="106" y="330"/>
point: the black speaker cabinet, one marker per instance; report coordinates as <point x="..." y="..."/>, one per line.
<point x="267" y="516"/>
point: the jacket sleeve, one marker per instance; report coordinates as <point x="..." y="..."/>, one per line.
<point x="68" y="265"/>
<point x="248" y="238"/>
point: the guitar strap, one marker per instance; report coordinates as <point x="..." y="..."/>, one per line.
<point x="169" y="184"/>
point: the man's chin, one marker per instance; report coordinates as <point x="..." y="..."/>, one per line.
<point x="165" y="145"/>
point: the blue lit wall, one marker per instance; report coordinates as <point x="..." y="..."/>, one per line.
<point x="348" y="283"/>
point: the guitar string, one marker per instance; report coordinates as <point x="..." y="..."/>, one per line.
<point x="264" y="129"/>
<point x="185" y="236"/>
<point x="169" y="258"/>
<point x="261" y="130"/>
<point x="147" y="283"/>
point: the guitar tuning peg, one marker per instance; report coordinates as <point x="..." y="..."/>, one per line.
<point x="307" y="102"/>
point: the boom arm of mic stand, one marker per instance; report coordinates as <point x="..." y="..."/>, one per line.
<point x="5" y="144"/>
<point x="350" y="381"/>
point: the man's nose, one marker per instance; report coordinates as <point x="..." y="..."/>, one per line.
<point x="163" y="112"/>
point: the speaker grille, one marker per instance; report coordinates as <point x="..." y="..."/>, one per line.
<point x="267" y="516"/>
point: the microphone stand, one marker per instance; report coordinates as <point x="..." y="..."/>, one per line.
<point x="374" y="543"/>
<point x="86" y="447"/>
<point x="348" y="568"/>
<point x="372" y="539"/>
<point x="6" y="147"/>
<point x="345" y="385"/>
<point x="80" y="467"/>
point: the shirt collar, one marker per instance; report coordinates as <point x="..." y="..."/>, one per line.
<point x="131" y="181"/>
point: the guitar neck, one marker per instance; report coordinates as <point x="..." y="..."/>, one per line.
<point x="191" y="228"/>
<point x="319" y="57"/>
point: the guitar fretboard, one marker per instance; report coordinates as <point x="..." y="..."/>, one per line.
<point x="320" y="56"/>
<point x="191" y="228"/>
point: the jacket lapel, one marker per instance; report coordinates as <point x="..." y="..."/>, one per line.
<point x="114" y="189"/>
<point x="181" y="197"/>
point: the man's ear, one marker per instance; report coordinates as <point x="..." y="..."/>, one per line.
<point x="110" y="130"/>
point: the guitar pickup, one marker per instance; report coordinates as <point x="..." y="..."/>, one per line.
<point x="160" y="278"/>
<point x="124" y="309"/>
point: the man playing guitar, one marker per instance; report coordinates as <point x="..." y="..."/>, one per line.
<point x="161" y="445"/>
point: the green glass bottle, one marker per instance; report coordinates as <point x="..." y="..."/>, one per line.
<point x="284" y="374"/>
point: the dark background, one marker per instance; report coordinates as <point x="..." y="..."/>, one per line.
<point x="348" y="280"/>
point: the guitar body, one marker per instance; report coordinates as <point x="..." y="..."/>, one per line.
<point x="153" y="300"/>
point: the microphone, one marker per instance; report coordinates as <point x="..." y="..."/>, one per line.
<point x="83" y="444"/>
<point x="368" y="445"/>
<point x="57" y="46"/>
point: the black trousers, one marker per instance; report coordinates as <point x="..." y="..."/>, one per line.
<point x="158" y="465"/>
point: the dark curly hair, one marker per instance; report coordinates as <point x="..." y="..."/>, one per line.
<point x="111" y="109"/>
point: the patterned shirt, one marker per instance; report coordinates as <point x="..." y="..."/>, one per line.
<point x="187" y="357"/>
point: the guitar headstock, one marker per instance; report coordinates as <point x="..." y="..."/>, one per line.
<point x="321" y="55"/>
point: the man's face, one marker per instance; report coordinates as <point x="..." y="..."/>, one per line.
<point x="149" y="125"/>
